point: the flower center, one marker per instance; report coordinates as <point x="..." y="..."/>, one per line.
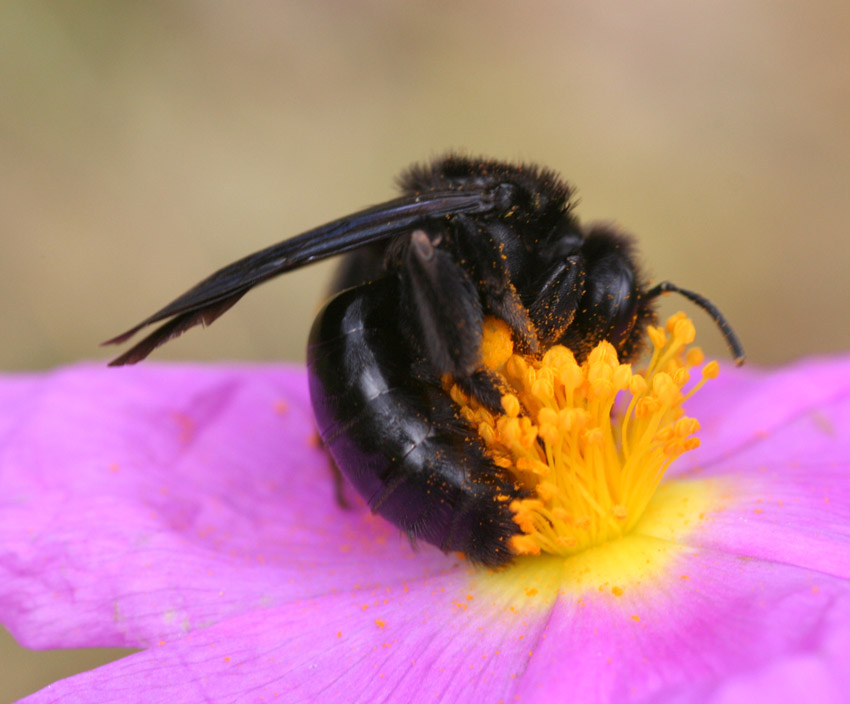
<point x="588" y="460"/>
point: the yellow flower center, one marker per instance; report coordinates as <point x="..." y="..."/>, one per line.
<point x="589" y="460"/>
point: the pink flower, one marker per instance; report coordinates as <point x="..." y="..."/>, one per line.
<point x="188" y="511"/>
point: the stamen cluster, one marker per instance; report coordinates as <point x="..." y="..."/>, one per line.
<point x="590" y="442"/>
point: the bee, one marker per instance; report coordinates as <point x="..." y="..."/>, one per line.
<point x="468" y="238"/>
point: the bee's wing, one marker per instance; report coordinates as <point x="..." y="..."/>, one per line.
<point x="206" y="301"/>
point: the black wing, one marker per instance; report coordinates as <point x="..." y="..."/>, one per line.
<point x="206" y="301"/>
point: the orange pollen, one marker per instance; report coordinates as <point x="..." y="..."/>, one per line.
<point x="589" y="442"/>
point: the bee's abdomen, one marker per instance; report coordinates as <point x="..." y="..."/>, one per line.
<point x="395" y="434"/>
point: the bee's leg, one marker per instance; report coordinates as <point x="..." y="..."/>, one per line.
<point x="485" y="387"/>
<point x="558" y="294"/>
<point x="443" y="307"/>
<point x="336" y="475"/>
<point x="339" y="487"/>
<point x="443" y="316"/>
<point x="483" y="252"/>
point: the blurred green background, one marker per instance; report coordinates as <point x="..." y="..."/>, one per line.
<point x="146" y="144"/>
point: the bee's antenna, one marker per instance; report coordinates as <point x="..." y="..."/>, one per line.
<point x="726" y="330"/>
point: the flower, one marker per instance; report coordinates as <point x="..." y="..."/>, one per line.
<point x="189" y="511"/>
<point x="589" y="469"/>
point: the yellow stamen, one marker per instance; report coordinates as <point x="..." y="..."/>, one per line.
<point x="589" y="461"/>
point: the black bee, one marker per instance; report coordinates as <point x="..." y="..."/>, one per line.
<point x="467" y="238"/>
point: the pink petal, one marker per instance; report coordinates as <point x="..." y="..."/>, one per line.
<point x="712" y="620"/>
<point x="788" y="475"/>
<point x="421" y="641"/>
<point x="141" y="504"/>
<point x="712" y="627"/>
<point x="715" y="618"/>
<point x="747" y="407"/>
